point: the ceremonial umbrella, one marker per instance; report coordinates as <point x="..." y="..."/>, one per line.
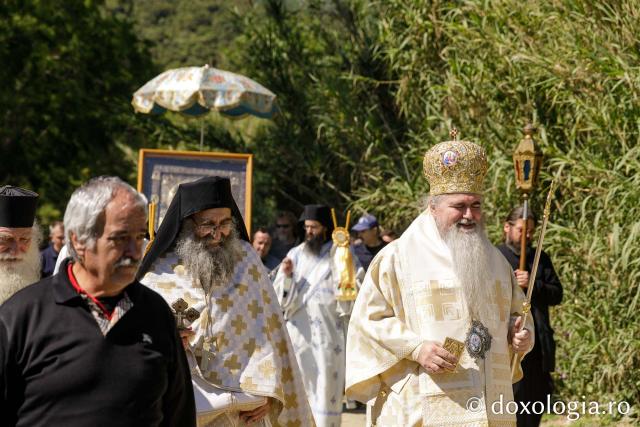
<point x="197" y="90"/>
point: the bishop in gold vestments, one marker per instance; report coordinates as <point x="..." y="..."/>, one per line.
<point x="440" y="278"/>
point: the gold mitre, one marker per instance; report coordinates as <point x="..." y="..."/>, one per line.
<point x="455" y="167"/>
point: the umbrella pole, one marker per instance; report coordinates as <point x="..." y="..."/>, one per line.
<point x="201" y="133"/>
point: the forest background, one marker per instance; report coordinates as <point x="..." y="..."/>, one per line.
<point x="365" y="88"/>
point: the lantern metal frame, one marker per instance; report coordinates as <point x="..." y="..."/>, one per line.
<point x="527" y="161"/>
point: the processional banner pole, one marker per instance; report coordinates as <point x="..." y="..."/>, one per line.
<point x="527" y="161"/>
<point x="526" y="305"/>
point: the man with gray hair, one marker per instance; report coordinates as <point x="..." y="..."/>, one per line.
<point x="90" y="345"/>
<point x="434" y="337"/>
<point x="19" y="239"/>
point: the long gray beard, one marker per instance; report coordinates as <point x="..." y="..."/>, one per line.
<point x="19" y="274"/>
<point x="470" y="252"/>
<point x="213" y="266"/>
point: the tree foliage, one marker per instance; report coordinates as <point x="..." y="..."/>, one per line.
<point x="338" y="113"/>
<point x="572" y="68"/>
<point x="68" y="73"/>
<point x="182" y="33"/>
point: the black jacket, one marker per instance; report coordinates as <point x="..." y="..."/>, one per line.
<point x="547" y="291"/>
<point x="57" y="369"/>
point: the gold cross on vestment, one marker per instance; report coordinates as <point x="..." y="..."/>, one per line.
<point x="282" y="347"/>
<point x="266" y="369"/>
<point x="239" y="324"/>
<point x="213" y="377"/>
<point x="287" y="375"/>
<point x="290" y="401"/>
<point x="443" y="300"/>
<point x="294" y="423"/>
<point x="255" y="273"/>
<point x="232" y="364"/>
<point x="178" y="269"/>
<point x="190" y="299"/>
<point x="242" y="288"/>
<point x="225" y="303"/>
<point x="166" y="285"/>
<point x="504" y="304"/>
<point x="267" y="332"/>
<point x="248" y="383"/>
<point x="266" y="297"/>
<point x="221" y="341"/>
<point x="250" y="346"/>
<point x="255" y="309"/>
<point x="274" y="322"/>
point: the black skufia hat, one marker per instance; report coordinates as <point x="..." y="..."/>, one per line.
<point x="320" y="213"/>
<point x="192" y="197"/>
<point x="17" y="207"/>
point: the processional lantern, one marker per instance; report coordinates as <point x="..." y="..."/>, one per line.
<point x="527" y="160"/>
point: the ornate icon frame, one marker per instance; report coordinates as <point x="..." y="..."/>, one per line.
<point x="160" y="172"/>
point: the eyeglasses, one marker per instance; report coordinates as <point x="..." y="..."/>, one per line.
<point x="9" y="240"/>
<point x="283" y="225"/>
<point x="207" y="228"/>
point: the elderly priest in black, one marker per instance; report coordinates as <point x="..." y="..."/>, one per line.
<point x="91" y="346"/>
<point x="19" y="237"/>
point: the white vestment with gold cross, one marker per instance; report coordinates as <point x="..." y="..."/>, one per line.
<point x="240" y="343"/>
<point x="410" y="295"/>
<point x="316" y="322"/>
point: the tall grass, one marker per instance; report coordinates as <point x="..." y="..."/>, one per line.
<point x="571" y="67"/>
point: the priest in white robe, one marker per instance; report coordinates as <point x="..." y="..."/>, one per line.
<point x="441" y="282"/>
<point x="238" y="342"/>
<point x="307" y="285"/>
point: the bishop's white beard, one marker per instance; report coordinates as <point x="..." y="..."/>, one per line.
<point x="470" y="252"/>
<point x="213" y="266"/>
<point x="18" y="274"/>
